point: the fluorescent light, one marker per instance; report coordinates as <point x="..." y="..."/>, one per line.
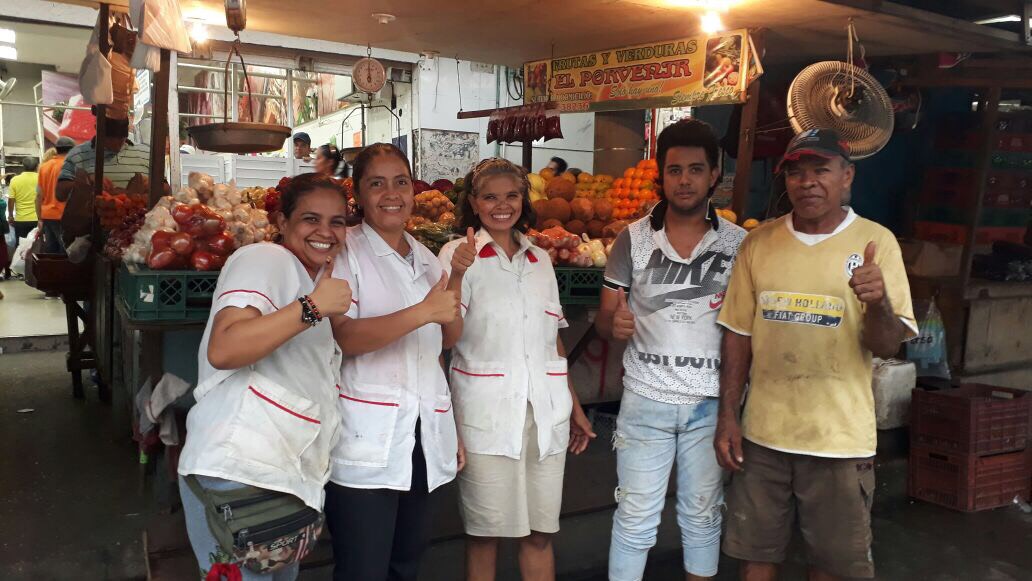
<point x="999" y="19"/>
<point x="7" y="35"/>
<point x="8" y="53"/>
<point x="711" y="23"/>
<point x="199" y="32"/>
<point x="721" y="5"/>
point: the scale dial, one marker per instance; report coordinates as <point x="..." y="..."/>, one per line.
<point x="368" y="75"/>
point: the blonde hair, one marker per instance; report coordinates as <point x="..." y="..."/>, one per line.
<point x="49" y="154"/>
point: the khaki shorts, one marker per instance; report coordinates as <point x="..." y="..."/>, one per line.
<point x="502" y="497"/>
<point x="831" y="497"/>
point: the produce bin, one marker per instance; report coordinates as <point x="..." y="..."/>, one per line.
<point x="966" y="482"/>
<point x="972" y="419"/>
<point x="166" y="295"/>
<point x="579" y="286"/>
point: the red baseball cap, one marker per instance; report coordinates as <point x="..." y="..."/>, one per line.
<point x="817" y="142"/>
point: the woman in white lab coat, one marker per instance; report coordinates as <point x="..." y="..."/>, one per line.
<point x="398" y="440"/>
<point x="517" y="412"/>
<point x="266" y="395"/>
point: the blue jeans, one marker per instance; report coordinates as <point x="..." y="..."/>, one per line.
<point x="203" y="542"/>
<point x="649" y="436"/>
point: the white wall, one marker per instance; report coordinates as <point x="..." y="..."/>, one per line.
<point x="381" y="126"/>
<point x="437" y="87"/>
<point x="20" y="122"/>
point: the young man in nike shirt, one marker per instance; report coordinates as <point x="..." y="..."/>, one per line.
<point x="664" y="285"/>
<point x="813" y="295"/>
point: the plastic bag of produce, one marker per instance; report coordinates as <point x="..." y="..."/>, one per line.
<point x="494" y="128"/>
<point x="928" y="349"/>
<point x="553" y="127"/>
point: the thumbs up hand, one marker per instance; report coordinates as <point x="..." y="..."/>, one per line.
<point x="867" y="281"/>
<point x="332" y="296"/>
<point x="623" y="319"/>
<point x="440" y="305"/>
<point x="464" y="255"/>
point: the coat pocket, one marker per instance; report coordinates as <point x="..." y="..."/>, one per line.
<point x="478" y="390"/>
<point x="368" y="414"/>
<point x="274" y="428"/>
<point x="556" y="378"/>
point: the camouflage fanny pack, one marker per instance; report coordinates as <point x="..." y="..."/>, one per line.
<point x="262" y="530"/>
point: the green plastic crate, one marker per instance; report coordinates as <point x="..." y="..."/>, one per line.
<point x="166" y="295"/>
<point x="579" y="286"/>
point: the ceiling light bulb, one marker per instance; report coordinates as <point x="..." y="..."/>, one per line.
<point x="199" y="32"/>
<point x="711" y="23"/>
<point x="384" y="18"/>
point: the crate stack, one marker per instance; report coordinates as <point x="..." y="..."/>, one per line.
<point x="947" y="195"/>
<point x="969" y="446"/>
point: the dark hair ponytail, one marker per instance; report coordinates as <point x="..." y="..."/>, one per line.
<point x="331" y="153"/>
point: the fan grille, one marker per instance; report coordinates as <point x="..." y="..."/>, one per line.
<point x="817" y="97"/>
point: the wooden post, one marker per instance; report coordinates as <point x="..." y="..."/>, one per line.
<point x="528" y="155"/>
<point x="159" y="129"/>
<point x="746" y="139"/>
<point x="101" y="110"/>
<point x="990" y="115"/>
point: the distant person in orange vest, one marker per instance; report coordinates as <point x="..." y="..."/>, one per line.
<point x="48" y="208"/>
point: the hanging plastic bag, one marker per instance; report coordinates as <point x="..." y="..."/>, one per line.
<point x="95" y="72"/>
<point x="145" y="56"/>
<point x="21" y="254"/>
<point x="537" y="123"/>
<point x="494" y="127"/>
<point x="162" y="26"/>
<point x="553" y="127"/>
<point x="509" y="127"/>
<point x="519" y="131"/>
<point x="928" y="349"/>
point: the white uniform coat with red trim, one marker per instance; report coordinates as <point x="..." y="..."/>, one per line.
<point x="270" y="425"/>
<point x="383" y="393"/>
<point x="507" y="355"/>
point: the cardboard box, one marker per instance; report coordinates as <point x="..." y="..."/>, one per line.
<point x="925" y="258"/>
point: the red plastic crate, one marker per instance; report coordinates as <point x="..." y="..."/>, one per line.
<point x="939" y="232"/>
<point x="970" y="420"/>
<point x="966" y="482"/>
<point x="988" y="235"/>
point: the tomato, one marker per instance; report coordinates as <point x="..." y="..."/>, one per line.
<point x="201" y="260"/>
<point x="182" y="243"/>
<point x="161" y="240"/>
<point x="222" y="244"/>
<point x="161" y="259"/>
<point x="182" y="214"/>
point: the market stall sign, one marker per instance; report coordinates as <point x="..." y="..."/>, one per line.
<point x="694" y="71"/>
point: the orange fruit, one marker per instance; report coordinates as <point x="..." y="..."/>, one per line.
<point x="750" y="223"/>
<point x="642" y="164"/>
<point x="547" y="173"/>
<point x="629" y="172"/>
<point x="618" y="183"/>
<point x="584" y="178"/>
<point x="635" y="184"/>
<point x="639" y="173"/>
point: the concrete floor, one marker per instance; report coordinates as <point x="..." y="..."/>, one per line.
<point x="25" y="313"/>
<point x="74" y="501"/>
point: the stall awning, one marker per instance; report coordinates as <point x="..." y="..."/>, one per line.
<point x="518" y="31"/>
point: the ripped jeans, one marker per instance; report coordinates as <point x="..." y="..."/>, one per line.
<point x="649" y="436"/>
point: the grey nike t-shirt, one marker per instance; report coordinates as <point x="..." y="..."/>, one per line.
<point x="674" y="355"/>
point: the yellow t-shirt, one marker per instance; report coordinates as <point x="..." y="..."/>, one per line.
<point x="810" y="382"/>
<point x="23" y="196"/>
